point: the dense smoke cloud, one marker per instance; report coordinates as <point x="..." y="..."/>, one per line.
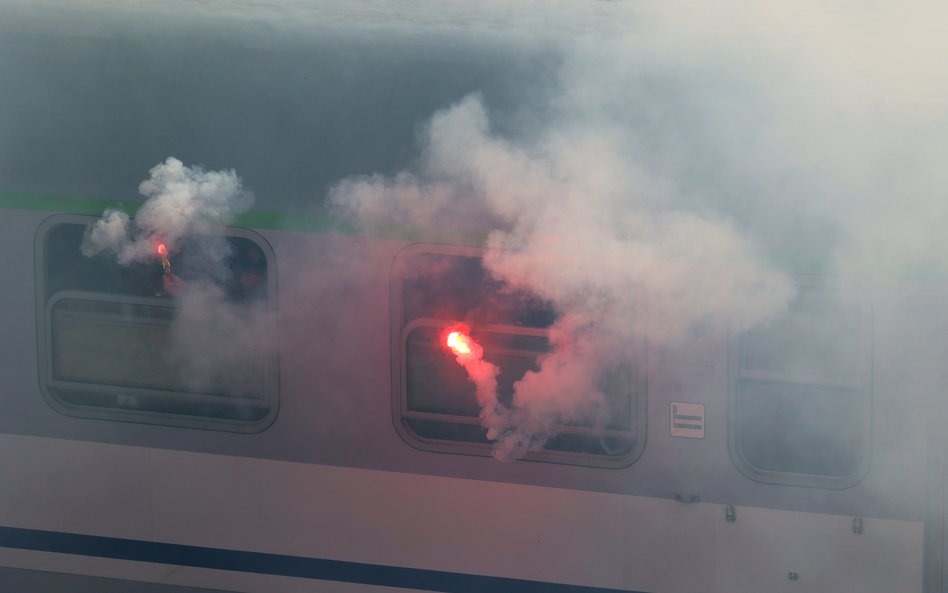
<point x="217" y="340"/>
<point x="181" y="201"/>
<point x="817" y="126"/>
<point x="579" y="224"/>
<point x="218" y="345"/>
<point x="684" y="149"/>
<point x="681" y="149"/>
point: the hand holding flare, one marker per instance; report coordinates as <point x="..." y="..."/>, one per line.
<point x="162" y="251"/>
<point x="170" y="282"/>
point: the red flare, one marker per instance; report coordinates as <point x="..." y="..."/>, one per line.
<point x="482" y="373"/>
<point x="162" y="251"/>
<point x="459" y="343"/>
<point x="458" y="340"/>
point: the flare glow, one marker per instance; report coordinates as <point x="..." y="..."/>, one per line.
<point x="459" y="343"/>
<point x="162" y="251"/>
<point x="482" y="373"/>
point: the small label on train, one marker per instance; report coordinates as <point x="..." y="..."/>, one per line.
<point x="687" y="420"/>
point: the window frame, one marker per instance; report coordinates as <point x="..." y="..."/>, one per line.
<point x="400" y="332"/>
<point x="864" y="384"/>
<point x="49" y="384"/>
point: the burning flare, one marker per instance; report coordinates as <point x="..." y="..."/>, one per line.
<point x="162" y="251"/>
<point x="482" y="373"/>
<point x="460" y="343"/>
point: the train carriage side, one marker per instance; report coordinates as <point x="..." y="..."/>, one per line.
<point x="286" y="418"/>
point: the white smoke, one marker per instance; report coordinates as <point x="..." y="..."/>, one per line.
<point x="218" y="343"/>
<point x="483" y="374"/>
<point x="818" y="125"/>
<point x="565" y="389"/>
<point x="181" y="201"/>
<point x="109" y="232"/>
<point x="684" y="145"/>
<point x="579" y="224"/>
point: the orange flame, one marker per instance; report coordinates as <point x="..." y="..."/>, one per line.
<point x="459" y="343"/>
<point x="458" y="339"/>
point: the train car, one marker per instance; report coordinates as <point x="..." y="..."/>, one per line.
<point x="701" y="350"/>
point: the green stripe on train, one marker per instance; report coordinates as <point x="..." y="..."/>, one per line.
<point x="257" y="219"/>
<point x="51" y="203"/>
<point x="95" y="206"/>
<point x="801" y="262"/>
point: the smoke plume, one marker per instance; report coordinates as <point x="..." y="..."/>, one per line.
<point x="181" y="201"/>
<point x="217" y="341"/>
<point x="683" y="149"/>
<point x="580" y="224"/>
<point x="218" y="344"/>
<point x="470" y="355"/>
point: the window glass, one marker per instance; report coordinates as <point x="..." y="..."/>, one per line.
<point x="120" y="342"/>
<point x="802" y="390"/>
<point x="434" y="402"/>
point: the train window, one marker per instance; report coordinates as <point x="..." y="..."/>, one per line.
<point x="117" y="342"/>
<point x="801" y="391"/>
<point x="434" y="403"/>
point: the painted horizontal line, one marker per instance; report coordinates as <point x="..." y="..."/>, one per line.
<point x="692" y="426"/>
<point x="313" y="222"/>
<point x="277" y="564"/>
<point x="684" y="417"/>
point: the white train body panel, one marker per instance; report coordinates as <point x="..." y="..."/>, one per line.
<point x="342" y="477"/>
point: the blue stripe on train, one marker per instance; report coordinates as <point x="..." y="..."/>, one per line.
<point x="276" y="564"/>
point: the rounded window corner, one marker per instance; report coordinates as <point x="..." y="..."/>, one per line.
<point x="801" y="390"/>
<point x="433" y="404"/>
<point x="111" y="347"/>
